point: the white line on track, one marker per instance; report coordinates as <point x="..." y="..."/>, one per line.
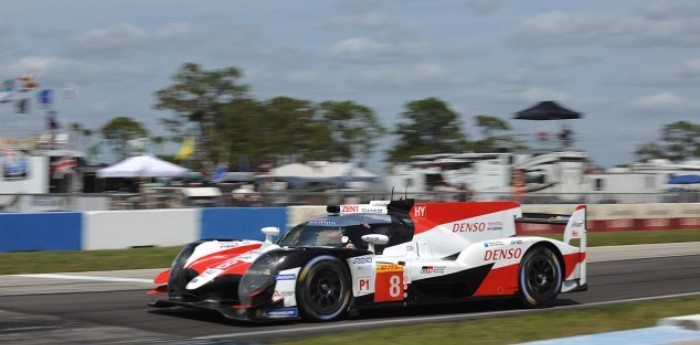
<point x="432" y="318"/>
<point x="92" y="278"/>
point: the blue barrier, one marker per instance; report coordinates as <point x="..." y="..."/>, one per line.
<point x="40" y="231"/>
<point x="241" y="222"/>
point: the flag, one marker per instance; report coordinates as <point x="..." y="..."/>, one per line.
<point x="186" y="150"/>
<point x="63" y="166"/>
<point x="28" y="81"/>
<point x="6" y="97"/>
<point x="219" y="174"/>
<point x="8" y="85"/>
<point x="46" y="97"/>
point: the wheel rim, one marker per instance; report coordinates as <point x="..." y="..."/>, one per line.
<point x="324" y="291"/>
<point x="541" y="276"/>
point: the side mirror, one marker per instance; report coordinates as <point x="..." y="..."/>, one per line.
<point x="269" y="232"/>
<point x="374" y="239"/>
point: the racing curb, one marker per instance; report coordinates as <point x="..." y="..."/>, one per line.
<point x="689" y="322"/>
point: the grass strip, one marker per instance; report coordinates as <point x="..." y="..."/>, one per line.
<point x="517" y="329"/>
<point x="116" y="259"/>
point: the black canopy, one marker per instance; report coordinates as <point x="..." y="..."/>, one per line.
<point x="547" y="110"/>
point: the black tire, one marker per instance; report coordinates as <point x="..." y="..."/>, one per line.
<point x="539" y="277"/>
<point x="323" y="289"/>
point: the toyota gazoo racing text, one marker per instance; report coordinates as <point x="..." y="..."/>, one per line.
<point x="389" y="252"/>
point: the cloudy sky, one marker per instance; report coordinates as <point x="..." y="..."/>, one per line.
<point x="629" y="66"/>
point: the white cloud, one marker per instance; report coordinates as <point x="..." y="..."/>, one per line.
<point x="483" y="6"/>
<point x="368" y="49"/>
<point x="660" y="101"/>
<point x="369" y="21"/>
<point x="415" y="76"/>
<point x="303" y="77"/>
<point x="576" y="29"/>
<point x="124" y="40"/>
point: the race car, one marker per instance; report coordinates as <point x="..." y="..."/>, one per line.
<point x="397" y="252"/>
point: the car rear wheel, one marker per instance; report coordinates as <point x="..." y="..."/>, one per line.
<point x="539" y="278"/>
<point x="323" y="289"/>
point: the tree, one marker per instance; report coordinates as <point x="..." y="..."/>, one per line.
<point x="120" y="130"/>
<point x="292" y="132"/>
<point x="197" y="97"/>
<point x="489" y="125"/>
<point x="679" y="141"/>
<point x="354" y="129"/>
<point x="429" y="127"/>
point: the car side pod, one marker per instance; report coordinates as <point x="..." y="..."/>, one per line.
<point x="375" y="239"/>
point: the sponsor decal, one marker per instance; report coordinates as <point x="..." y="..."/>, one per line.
<point x="280" y="313"/>
<point x="432" y="270"/>
<point x="409" y="248"/>
<point x="385" y="268"/>
<point x="277" y="296"/>
<point x="502" y="254"/>
<point x="362" y="260"/>
<point x="419" y="210"/>
<point x="493" y="244"/>
<point x="326" y="223"/>
<point x="469" y="227"/>
<point x="285" y="277"/>
<point x="227" y="264"/>
<point x="389" y="284"/>
<point x="349" y="209"/>
<point x="516" y="242"/>
<point x="494" y="226"/>
<point x="363" y="284"/>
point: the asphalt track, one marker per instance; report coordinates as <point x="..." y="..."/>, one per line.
<point x="110" y="307"/>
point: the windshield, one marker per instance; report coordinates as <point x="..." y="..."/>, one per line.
<point x="306" y="235"/>
<point x="328" y="230"/>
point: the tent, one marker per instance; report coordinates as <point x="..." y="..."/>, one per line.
<point x="142" y="166"/>
<point x="547" y="110"/>
<point x="321" y="172"/>
<point x="684" y="179"/>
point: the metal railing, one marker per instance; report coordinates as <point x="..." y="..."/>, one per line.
<point x="145" y="201"/>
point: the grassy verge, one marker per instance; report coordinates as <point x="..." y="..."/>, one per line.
<point x="508" y="330"/>
<point x="94" y="260"/>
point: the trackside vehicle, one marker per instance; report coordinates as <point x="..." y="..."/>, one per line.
<point x="397" y="252"/>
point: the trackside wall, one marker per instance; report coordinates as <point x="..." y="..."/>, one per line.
<point x="174" y="227"/>
<point x="40" y="231"/>
<point x="241" y="222"/>
<point x="125" y="229"/>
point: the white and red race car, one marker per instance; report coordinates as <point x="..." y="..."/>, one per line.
<point x="391" y="253"/>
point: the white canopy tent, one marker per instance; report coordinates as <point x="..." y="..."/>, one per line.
<point x="142" y="166"/>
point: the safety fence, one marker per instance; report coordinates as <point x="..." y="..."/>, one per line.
<point x="177" y="198"/>
<point x="93" y="230"/>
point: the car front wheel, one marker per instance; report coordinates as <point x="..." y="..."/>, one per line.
<point x="323" y="289"/>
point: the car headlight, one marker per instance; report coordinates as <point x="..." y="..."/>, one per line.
<point x="259" y="276"/>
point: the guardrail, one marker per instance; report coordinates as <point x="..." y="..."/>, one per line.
<point x="18" y="203"/>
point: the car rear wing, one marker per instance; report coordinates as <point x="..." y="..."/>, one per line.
<point x="575" y="223"/>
